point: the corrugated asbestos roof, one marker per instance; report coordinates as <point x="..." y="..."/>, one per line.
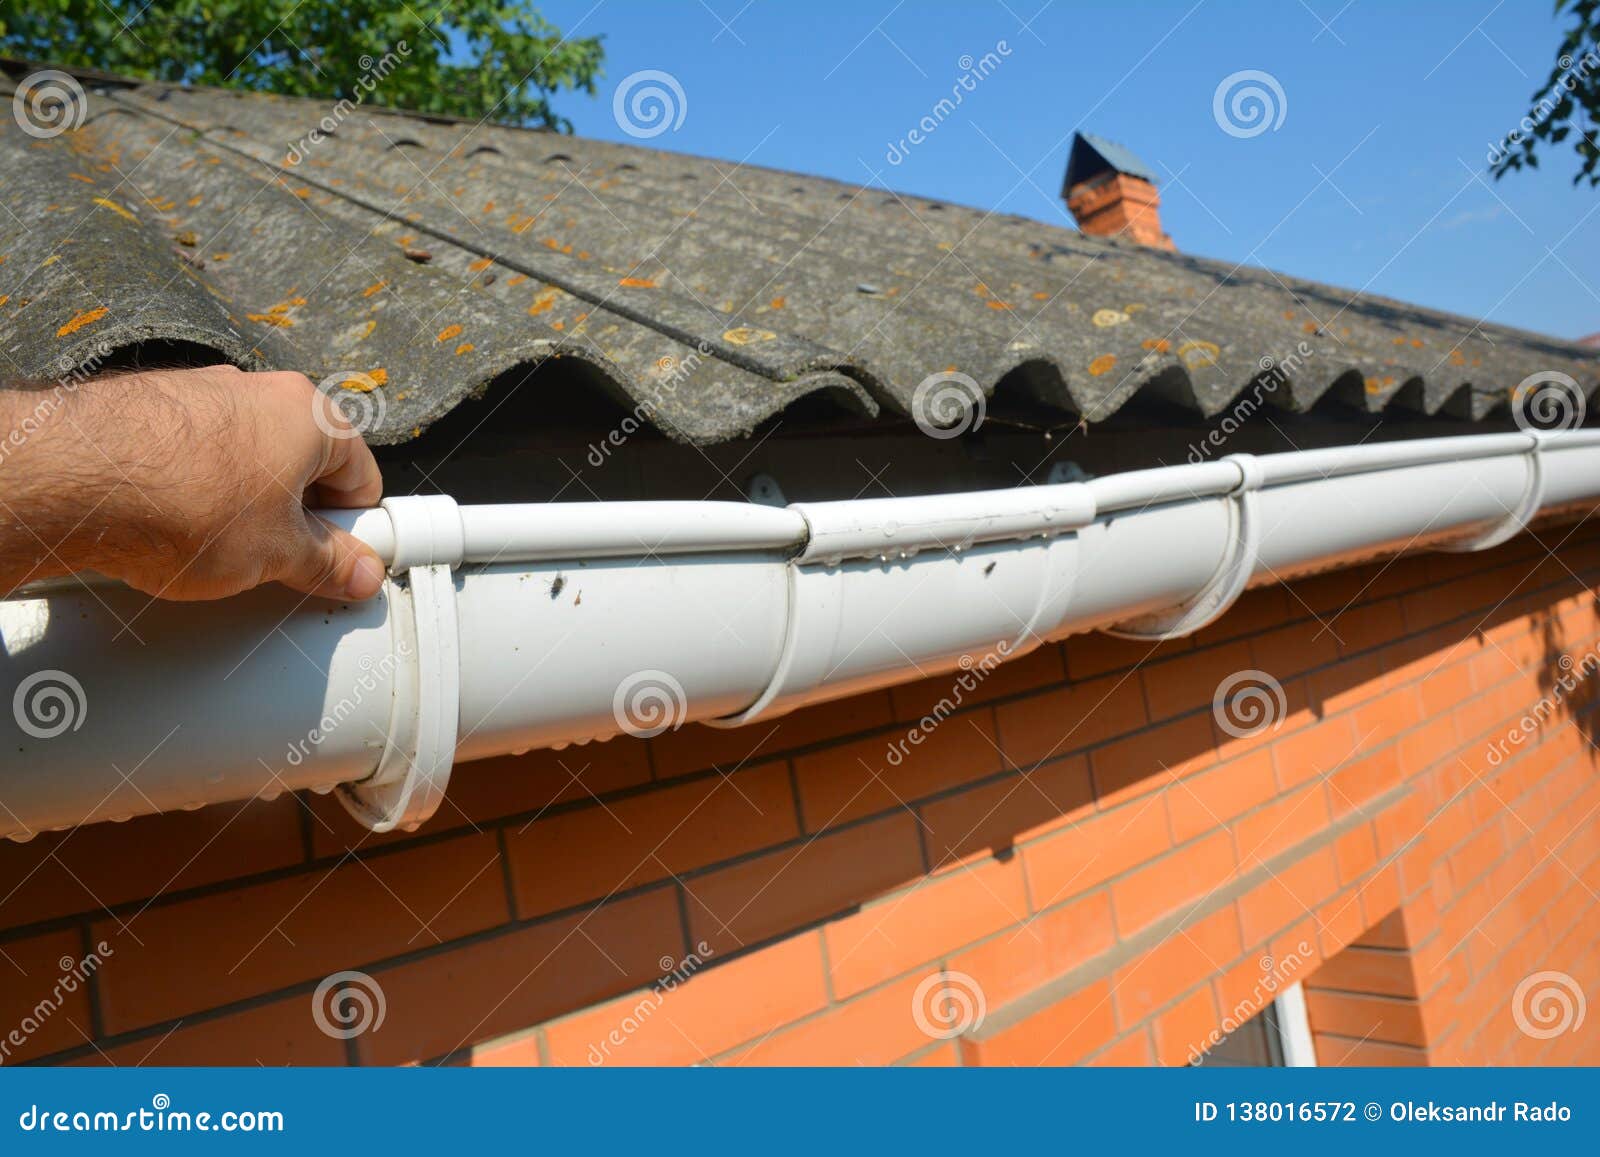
<point x="435" y="256"/>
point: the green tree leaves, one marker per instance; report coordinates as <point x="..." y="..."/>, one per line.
<point x="471" y="58"/>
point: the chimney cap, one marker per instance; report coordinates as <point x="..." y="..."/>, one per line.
<point x="1091" y="156"/>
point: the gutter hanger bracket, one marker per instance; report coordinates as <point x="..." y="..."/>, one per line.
<point x="1232" y="576"/>
<point x="1516" y="519"/>
<point x="419" y="750"/>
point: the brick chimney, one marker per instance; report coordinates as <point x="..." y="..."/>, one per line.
<point x="1112" y="194"/>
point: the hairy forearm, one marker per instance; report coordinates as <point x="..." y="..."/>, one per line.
<point x="187" y="485"/>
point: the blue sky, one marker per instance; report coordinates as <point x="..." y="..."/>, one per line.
<point x="1376" y="177"/>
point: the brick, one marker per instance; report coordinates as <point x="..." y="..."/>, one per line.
<point x="1098" y="654"/>
<point x="1367" y="970"/>
<point x="876" y="1028"/>
<point x="873" y="775"/>
<point x="254" y="940"/>
<point x="700" y="748"/>
<point x="1176" y="686"/>
<point x="608" y="848"/>
<point x="1039" y="668"/>
<point x="993" y="817"/>
<point x="1199" y="803"/>
<point x="1362" y="780"/>
<point x="1152" y="759"/>
<point x="1366" y="1017"/>
<point x="1020" y="960"/>
<point x="1292" y="650"/>
<point x="1087" y="853"/>
<point x="922" y="923"/>
<point x="1156" y="977"/>
<point x="45" y="997"/>
<point x="1339" y="1052"/>
<point x="1355" y="853"/>
<point x="1182" y="1031"/>
<point x="1056" y="723"/>
<point x="1380" y="895"/>
<point x="687" y="1022"/>
<point x="1281" y="826"/>
<point x="1173" y="883"/>
<point x="99" y="866"/>
<point x="1062" y="1032"/>
<point x="1314" y="752"/>
<point x="283" y="1032"/>
<point x="1132" y="1051"/>
<point x="518" y="1050"/>
<point x="945" y="1056"/>
<point x="490" y="789"/>
<point x="451" y="1000"/>
<point x="799" y="884"/>
<point x="1291" y="893"/>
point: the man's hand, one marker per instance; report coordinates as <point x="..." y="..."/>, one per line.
<point x="185" y="484"/>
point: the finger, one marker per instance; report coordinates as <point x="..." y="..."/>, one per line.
<point x="324" y="560"/>
<point x="350" y="475"/>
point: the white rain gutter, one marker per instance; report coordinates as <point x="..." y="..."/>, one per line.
<point x="506" y="628"/>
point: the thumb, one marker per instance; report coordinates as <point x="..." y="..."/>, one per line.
<point x="331" y="563"/>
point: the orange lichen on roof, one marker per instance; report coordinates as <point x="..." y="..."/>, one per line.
<point x="517" y="279"/>
<point x="543" y="302"/>
<point x="1309" y="326"/>
<point x="1102" y="364"/>
<point x="221" y="256"/>
<point x="115" y="208"/>
<point x="274" y="319"/>
<point x="1160" y="344"/>
<point x="777" y="303"/>
<point x="1041" y="295"/>
<point x="464" y="347"/>
<point x="448" y="332"/>
<point x="4" y="297"/>
<point x="51" y="260"/>
<point x="996" y="303"/>
<point x="481" y="264"/>
<point x="195" y="200"/>
<point x="520" y="225"/>
<point x="81" y="319"/>
<point x="375" y="287"/>
<point x="81" y="177"/>
<point x="638" y="282"/>
<point x="380" y="376"/>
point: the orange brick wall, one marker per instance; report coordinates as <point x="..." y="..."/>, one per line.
<point x="1081" y="852"/>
